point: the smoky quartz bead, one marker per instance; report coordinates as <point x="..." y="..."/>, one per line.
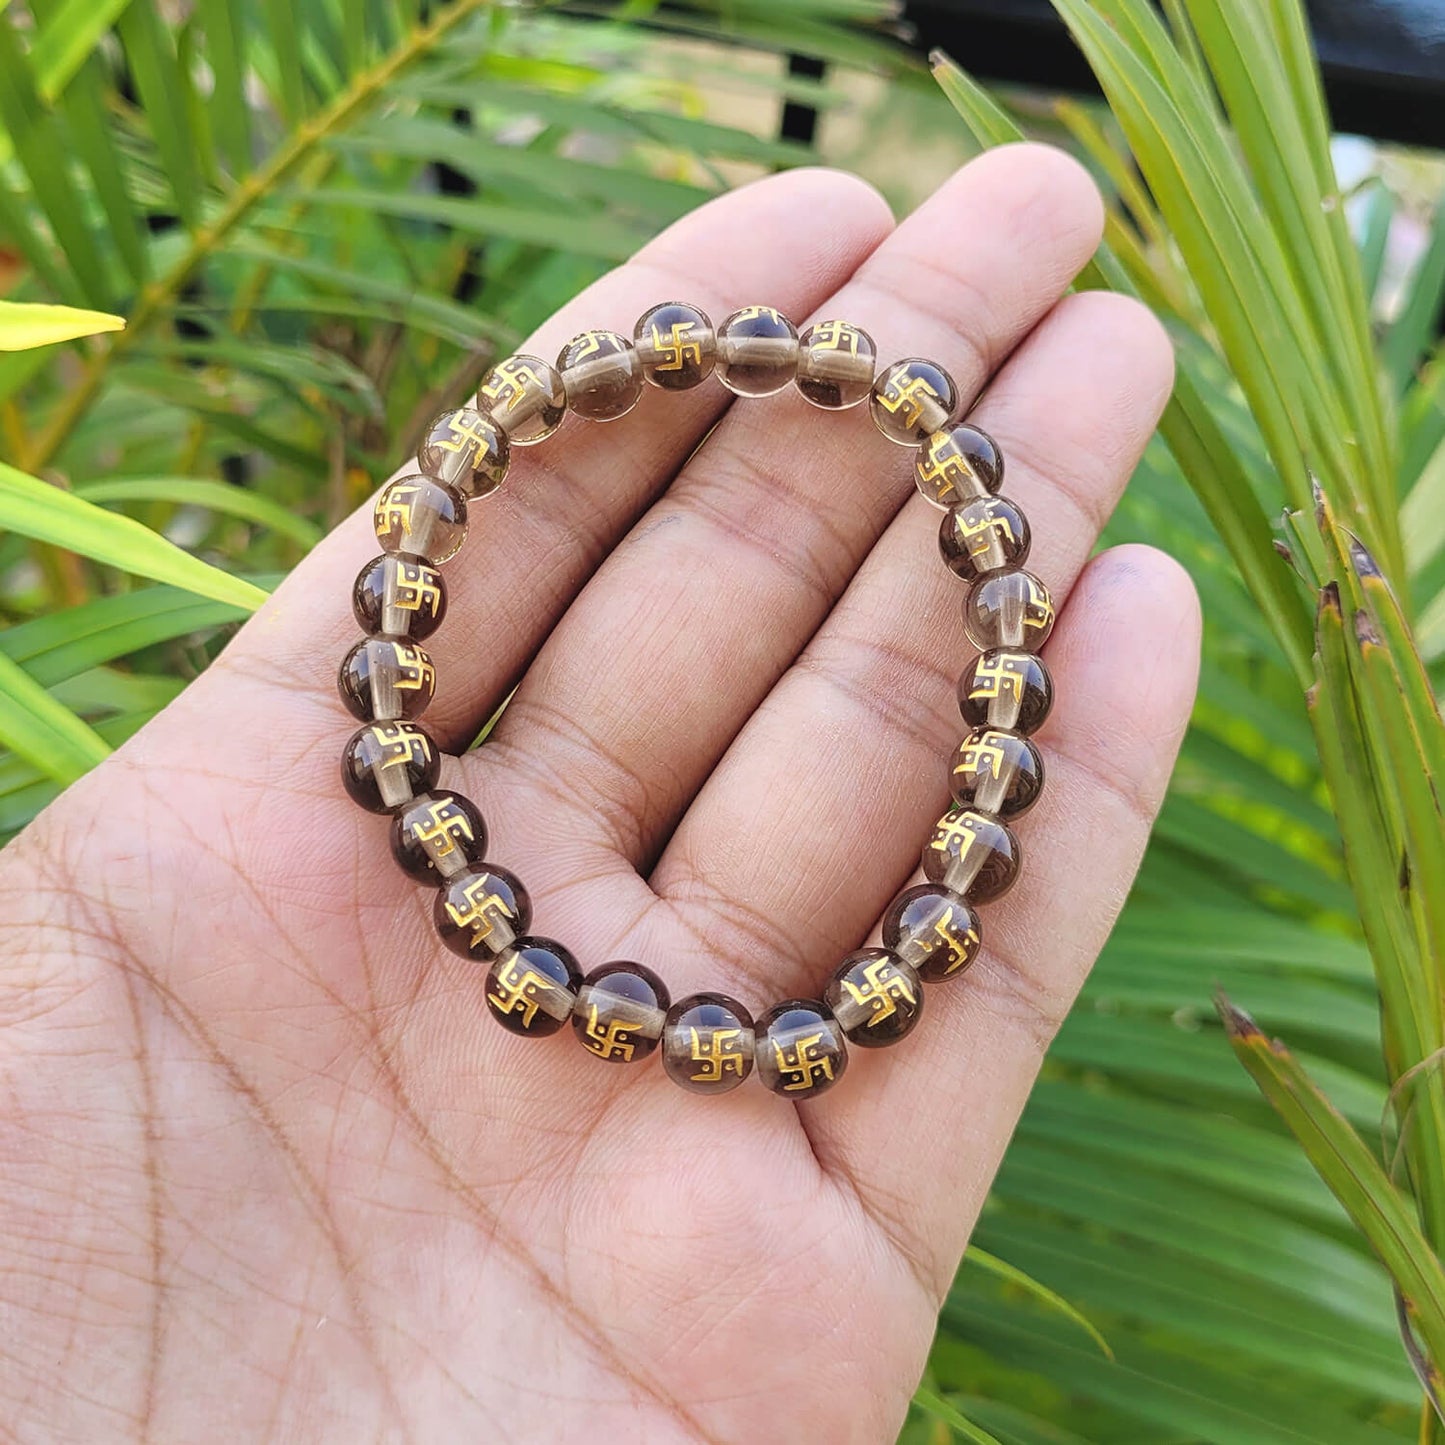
<point x="875" y="997"/>
<point x="384" y="678"/>
<point x="676" y="344"/>
<point x="481" y="910"/>
<point x="467" y="450"/>
<point x="972" y="854"/>
<point x="532" y="986"/>
<point x="757" y="351"/>
<point x="707" y="1043"/>
<point x="996" y="772"/>
<point x="524" y="397"/>
<point x="399" y="596"/>
<point x="1008" y="608"/>
<point x="437" y="836"/>
<point x="423" y="518"/>
<point x="385" y="765"/>
<point x="620" y="1012"/>
<point x="981" y="535"/>
<point x="836" y="361"/>
<point x="957" y="464"/>
<point x="800" y="1049"/>
<point x="602" y="374"/>
<point x="1004" y="688"/>
<point x="912" y="399"/>
<point x="934" y="929"/>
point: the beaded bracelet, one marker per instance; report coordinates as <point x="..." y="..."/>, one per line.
<point x="621" y="1011"/>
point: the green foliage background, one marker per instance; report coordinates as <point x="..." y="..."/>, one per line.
<point x="323" y="219"/>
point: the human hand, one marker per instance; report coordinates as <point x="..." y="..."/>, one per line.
<point x="270" y="1169"/>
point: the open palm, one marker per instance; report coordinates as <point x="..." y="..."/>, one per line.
<point x="271" y="1171"/>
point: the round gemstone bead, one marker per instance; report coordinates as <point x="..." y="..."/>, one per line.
<point x="836" y="361"/>
<point x="525" y="398"/>
<point x="1008" y="608"/>
<point x="982" y="535"/>
<point x="481" y="910"/>
<point x="399" y="596"/>
<point x="800" y="1049"/>
<point x="996" y="772"/>
<point x="1005" y="688"/>
<point x="957" y="464"/>
<point x="707" y="1043"/>
<point x="934" y="929"/>
<point x="384" y="678"/>
<point x="972" y="854"/>
<point x="912" y="399"/>
<point x="421" y="517"/>
<point x="467" y="450"/>
<point x="620" y="1012"/>
<point x="385" y="764"/>
<point x="438" y="835"/>
<point x="757" y="351"/>
<point x="532" y="987"/>
<point x="676" y="345"/>
<point x="602" y="375"/>
<point x="875" y="997"/>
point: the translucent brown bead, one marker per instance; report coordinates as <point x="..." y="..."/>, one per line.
<point x="602" y="374"/>
<point x="532" y="987"/>
<point x="982" y="535"/>
<point x="399" y="596"/>
<point x="912" y="399"/>
<point x="800" y="1049"/>
<point x="996" y="772"/>
<point x="972" y="854"/>
<point x="467" y="450"/>
<point x="957" y="464"/>
<point x="676" y="344"/>
<point x="385" y="765"/>
<point x="934" y="929"/>
<point x="481" y="911"/>
<point x="620" y="1011"/>
<point x="875" y="997"/>
<point x="1005" y="688"/>
<point x="384" y="678"/>
<point x="707" y="1043"/>
<point x="437" y="836"/>
<point x="757" y="351"/>
<point x="421" y="517"/>
<point x="1008" y="608"/>
<point x="525" y="398"/>
<point x="836" y="361"/>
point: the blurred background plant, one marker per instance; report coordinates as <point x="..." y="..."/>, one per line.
<point x="320" y="219"/>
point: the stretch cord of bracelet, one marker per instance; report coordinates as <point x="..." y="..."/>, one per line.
<point x="621" y="1012"/>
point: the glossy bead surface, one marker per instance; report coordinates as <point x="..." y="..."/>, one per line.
<point x="757" y="351"/>
<point x="525" y="398"/>
<point x="996" y="772"/>
<point x="481" y="911"/>
<point x="1002" y="688"/>
<point x="956" y="464"/>
<point x="676" y="344"/>
<point x="1008" y="608"/>
<point x="602" y="374"/>
<point x="438" y="835"/>
<point x="934" y="929"/>
<point x="875" y="997"/>
<point x="912" y="399"/>
<point x="386" y="764"/>
<point x="419" y="516"/>
<point x="399" y="596"/>
<point x="800" y="1049"/>
<point x="982" y="535"/>
<point x="972" y="854"/>
<point x="620" y="1012"/>
<point x="707" y="1043"/>
<point x="467" y="450"/>
<point x="836" y="361"/>
<point x="532" y="987"/>
<point x="383" y="679"/>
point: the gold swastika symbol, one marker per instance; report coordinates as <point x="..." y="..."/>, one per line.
<point x="942" y="464"/>
<point x="511" y="381"/>
<point x="444" y="825"/>
<point x="958" y="948"/>
<point x="416" y="589"/>
<point x="974" y="531"/>
<point x="394" y="507"/>
<point x="401" y="745"/>
<point x="997" y="677"/>
<point x="955" y="833"/>
<point x="906" y="398"/>
<point x="516" y="988"/>
<point x="591" y="343"/>
<point x="722" y="1051"/>
<point x="481" y="911"/>
<point x="414" y="670"/>
<point x="804" y="1060"/>
<point x="754" y="313"/>
<point x="676" y="346"/>
<point x="983" y="756"/>
<point x="835" y="336"/>
<point x="464" y="435"/>
<point x="1039" y="608"/>
<point x="882" y="990"/>
<point x="611" y="1039"/>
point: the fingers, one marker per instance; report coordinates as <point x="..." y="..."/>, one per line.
<point x="687" y="626"/>
<point x="919" y="1129"/>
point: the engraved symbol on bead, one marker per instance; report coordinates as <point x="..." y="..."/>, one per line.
<point x="482" y="912"/>
<point x="958" y="948"/>
<point x="511" y="380"/>
<point x="941" y="463"/>
<point x="907" y="398"/>
<point x="982" y="755"/>
<point x="414" y="670"/>
<point x="402" y="745"/>
<point x="805" y="1060"/>
<point x="464" y="436"/>
<point x="973" y="531"/>
<point x="752" y="313"/>
<point x="997" y="677"/>
<point x="954" y="834"/>
<point x="882" y="990"/>
<point x="835" y="336"/>
<point x="517" y="988"/>
<point x="444" y="827"/>
<point x="394" y="509"/>
<point x="676" y="347"/>
<point x="415" y="590"/>
<point x="722" y="1051"/>
<point x="610" y="1040"/>
<point x="1039" y="607"/>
